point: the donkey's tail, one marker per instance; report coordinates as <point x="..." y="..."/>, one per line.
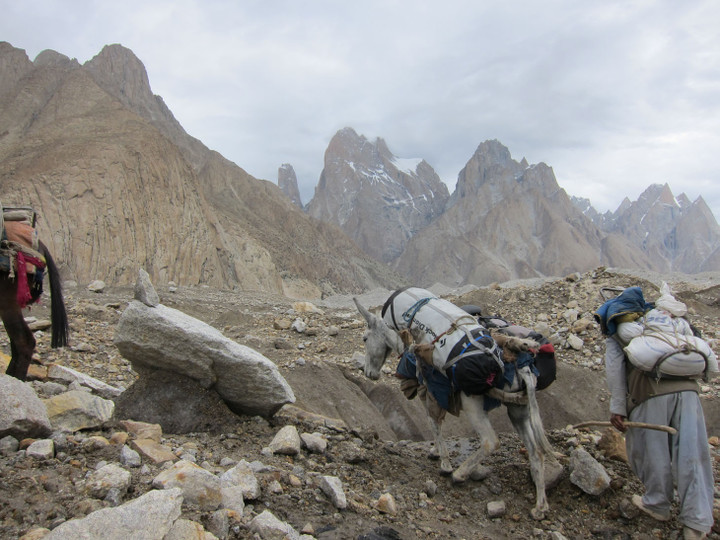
<point x="58" y="314"/>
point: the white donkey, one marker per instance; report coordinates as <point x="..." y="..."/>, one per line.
<point x="439" y="325"/>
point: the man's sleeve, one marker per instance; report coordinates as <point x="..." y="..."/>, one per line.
<point x="616" y="377"/>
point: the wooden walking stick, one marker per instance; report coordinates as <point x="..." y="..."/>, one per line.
<point x="667" y="429"/>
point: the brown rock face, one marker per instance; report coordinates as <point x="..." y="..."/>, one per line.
<point x="119" y="185"/>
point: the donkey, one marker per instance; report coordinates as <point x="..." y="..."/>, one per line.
<point x="415" y="320"/>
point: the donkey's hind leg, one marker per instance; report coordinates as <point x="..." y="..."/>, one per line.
<point x="478" y="418"/>
<point x="520" y="418"/>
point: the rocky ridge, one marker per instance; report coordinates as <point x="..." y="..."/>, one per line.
<point x="119" y="184"/>
<point x="506" y="219"/>
<point x="676" y="233"/>
<point x="388" y="488"/>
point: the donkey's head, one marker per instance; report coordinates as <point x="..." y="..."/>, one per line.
<point x="380" y="340"/>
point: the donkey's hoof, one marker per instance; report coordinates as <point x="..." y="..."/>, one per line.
<point x="538" y="514"/>
<point x="445" y="469"/>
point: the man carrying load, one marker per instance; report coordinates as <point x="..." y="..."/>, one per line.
<point x="662" y="461"/>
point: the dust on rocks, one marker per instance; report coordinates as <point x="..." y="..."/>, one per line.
<point x="344" y="481"/>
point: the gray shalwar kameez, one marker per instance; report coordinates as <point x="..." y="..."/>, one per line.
<point x="664" y="461"/>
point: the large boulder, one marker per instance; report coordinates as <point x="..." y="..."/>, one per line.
<point x="22" y="413"/>
<point x="162" y="338"/>
<point x="148" y="517"/>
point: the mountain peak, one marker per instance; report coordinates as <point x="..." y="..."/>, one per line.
<point x="492" y="164"/>
<point x="48" y="58"/>
<point x="119" y="71"/>
<point x="493" y="151"/>
<point x="288" y="184"/>
<point x="371" y="193"/>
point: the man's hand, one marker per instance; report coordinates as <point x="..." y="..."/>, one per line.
<point x="618" y="422"/>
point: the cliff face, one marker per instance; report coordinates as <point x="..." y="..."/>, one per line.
<point x="120" y="185"/>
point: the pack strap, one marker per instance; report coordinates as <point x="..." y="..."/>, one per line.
<point x="409" y="315"/>
<point x="472" y="347"/>
<point x="681" y="346"/>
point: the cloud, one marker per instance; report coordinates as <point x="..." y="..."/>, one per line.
<point x="614" y="96"/>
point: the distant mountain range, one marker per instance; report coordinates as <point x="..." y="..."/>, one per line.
<point x="120" y="185"/>
<point x="505" y="220"/>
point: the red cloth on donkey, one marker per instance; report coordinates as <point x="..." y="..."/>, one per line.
<point x="26" y="263"/>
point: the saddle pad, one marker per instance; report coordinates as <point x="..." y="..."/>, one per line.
<point x="437" y="384"/>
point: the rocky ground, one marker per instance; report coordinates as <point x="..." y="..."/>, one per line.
<point x="369" y="462"/>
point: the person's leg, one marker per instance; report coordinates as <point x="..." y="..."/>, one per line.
<point x="692" y="464"/>
<point x="648" y="453"/>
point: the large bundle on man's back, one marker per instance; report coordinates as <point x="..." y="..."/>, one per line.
<point x="665" y="345"/>
<point x="662" y="342"/>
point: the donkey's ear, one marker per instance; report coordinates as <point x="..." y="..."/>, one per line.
<point x="369" y="317"/>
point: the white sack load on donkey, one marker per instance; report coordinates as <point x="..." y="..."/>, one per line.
<point x="460" y="347"/>
<point x="663" y="343"/>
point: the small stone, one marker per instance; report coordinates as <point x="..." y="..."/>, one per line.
<point x="41" y="449"/>
<point x="96" y="286"/>
<point x="9" y="445"/>
<point x="430" y="488"/>
<point x="496" y="509"/>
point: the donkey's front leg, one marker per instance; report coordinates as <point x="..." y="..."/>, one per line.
<point x="435" y="417"/>
<point x="440" y="450"/>
<point x="478" y="418"/>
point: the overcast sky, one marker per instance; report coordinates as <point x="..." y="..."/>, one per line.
<point x="613" y="95"/>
